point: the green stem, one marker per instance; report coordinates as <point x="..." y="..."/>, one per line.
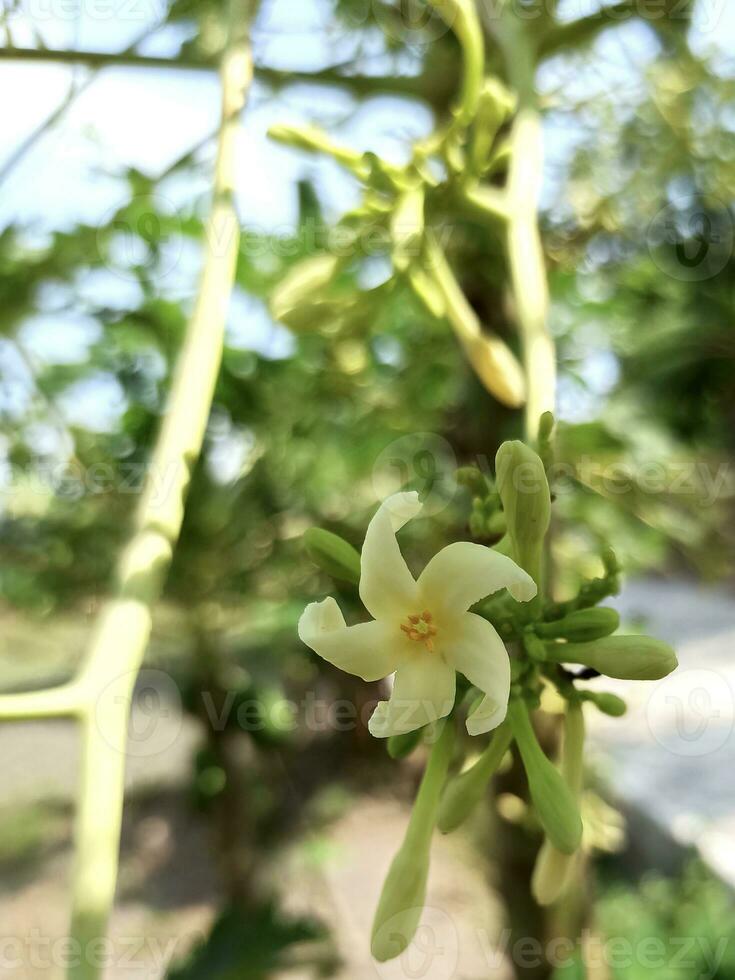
<point x="426" y="806"/>
<point x="117" y="650"/>
<point x="102" y="693"/>
<point x="525" y="251"/>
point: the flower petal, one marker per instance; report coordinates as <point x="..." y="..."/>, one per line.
<point x="423" y="692"/>
<point x="461" y="574"/>
<point x="477" y="651"/>
<point x="369" y="650"/>
<point x="387" y="587"/>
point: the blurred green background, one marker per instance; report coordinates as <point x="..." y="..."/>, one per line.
<point x="105" y="167"/>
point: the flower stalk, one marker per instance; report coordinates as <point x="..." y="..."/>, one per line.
<point x="404" y="890"/>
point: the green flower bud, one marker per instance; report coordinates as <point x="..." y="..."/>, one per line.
<point x="399" y="746"/>
<point x="554" y="869"/>
<point x="609" y="704"/>
<point x="404" y="890"/>
<point x="466" y="790"/>
<point x="401" y="903"/>
<point x="554" y="801"/>
<point x="303" y="286"/>
<point x="475" y="481"/>
<point x="582" y="625"/>
<point x="552" y="874"/>
<point x="524" y="491"/>
<point x="332" y="554"/>
<point x="637" y="658"/>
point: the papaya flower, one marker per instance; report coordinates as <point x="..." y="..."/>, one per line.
<point x="421" y="629"/>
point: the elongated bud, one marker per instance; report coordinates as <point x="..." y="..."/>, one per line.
<point x="404" y="890"/>
<point x="399" y="746"/>
<point x="302" y="285"/>
<point x="466" y="790"/>
<point x="554" y="801"/>
<point x="637" y="658"/>
<point x="332" y="554"/>
<point x="554" y="869"/>
<point x="582" y="625"/>
<point x="552" y="873"/>
<point x="608" y="704"/>
<point x="524" y="490"/>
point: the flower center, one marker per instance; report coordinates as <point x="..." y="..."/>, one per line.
<point x="421" y="627"/>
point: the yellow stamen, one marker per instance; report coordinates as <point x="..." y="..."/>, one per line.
<point x="420" y="627"/>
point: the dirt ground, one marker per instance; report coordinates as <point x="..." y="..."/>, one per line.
<point x="168" y="889"/>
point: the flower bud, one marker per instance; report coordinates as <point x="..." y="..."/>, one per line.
<point x="552" y="873"/>
<point x="404" y="890"/>
<point x="554" y="869"/>
<point x="332" y="554"/>
<point x="524" y="490"/>
<point x="608" y="704"/>
<point x="637" y="658"/>
<point x="582" y="625"/>
<point x="300" y="292"/>
<point x="466" y="790"/>
<point x="554" y="801"/>
<point x="401" y="903"/>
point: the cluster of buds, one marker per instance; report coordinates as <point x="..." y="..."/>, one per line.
<point x="447" y="173"/>
<point x="549" y="645"/>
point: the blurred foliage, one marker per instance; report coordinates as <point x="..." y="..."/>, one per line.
<point x="302" y="416"/>
<point x="254" y="944"/>
<point x="690" y="919"/>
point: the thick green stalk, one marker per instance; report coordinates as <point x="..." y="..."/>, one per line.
<point x="525" y="251"/>
<point x="117" y="651"/>
<point x="101" y="694"/>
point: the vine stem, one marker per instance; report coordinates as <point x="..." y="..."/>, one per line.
<point x="101" y="695"/>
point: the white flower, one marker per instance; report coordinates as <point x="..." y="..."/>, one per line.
<point x="421" y="629"/>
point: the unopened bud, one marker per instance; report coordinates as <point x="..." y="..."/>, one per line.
<point x="401" y="903"/>
<point x="524" y="490"/>
<point x="582" y="625"/>
<point x="552" y="874"/>
<point x="554" y="868"/>
<point x="553" y="799"/>
<point x="332" y="554"/>
<point x="404" y="890"/>
<point x="302" y="285"/>
<point x="466" y="790"/>
<point x="638" y="658"/>
<point x="608" y="704"/>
